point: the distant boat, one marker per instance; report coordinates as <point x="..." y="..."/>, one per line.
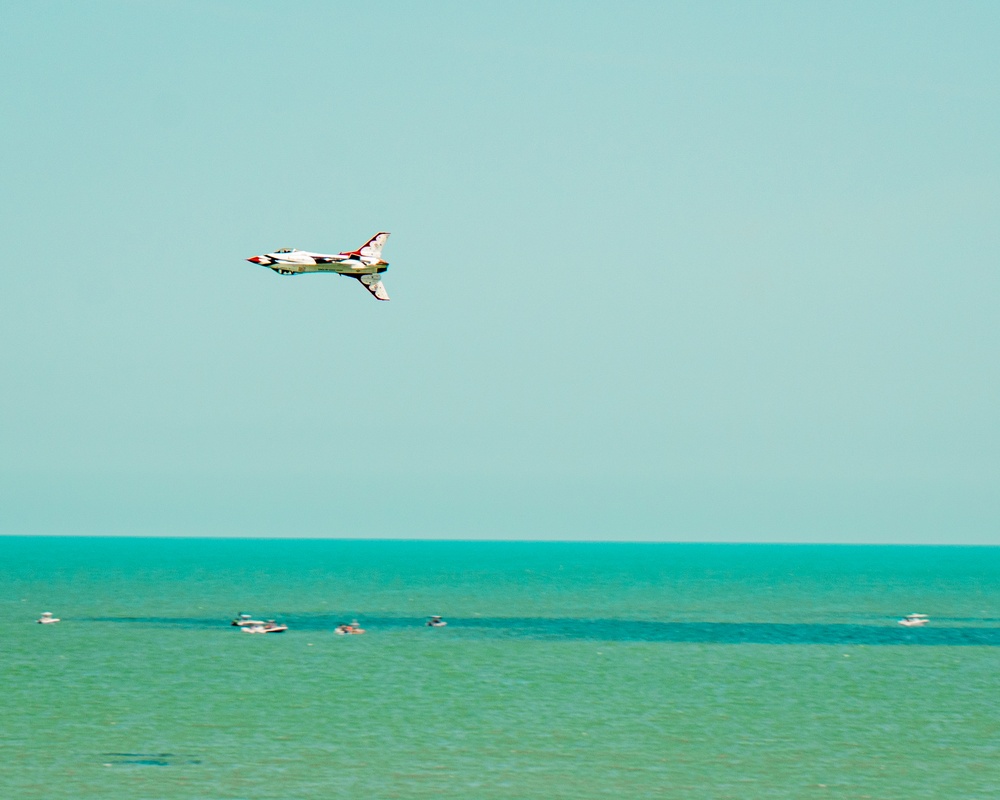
<point x="914" y="621"/>
<point x="270" y="626"/>
<point x="436" y="622"/>
<point x="349" y="630"/>
<point x="244" y="620"/>
<point x="47" y="619"/>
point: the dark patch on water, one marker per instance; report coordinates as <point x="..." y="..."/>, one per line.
<point x="148" y="759"/>
<point x="734" y="632"/>
<point x="623" y="630"/>
<point x="173" y="622"/>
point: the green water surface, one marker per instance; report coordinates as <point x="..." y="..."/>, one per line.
<point x="568" y="671"/>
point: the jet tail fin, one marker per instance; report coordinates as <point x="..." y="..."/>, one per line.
<point x="373" y="247"/>
<point x="373" y="283"/>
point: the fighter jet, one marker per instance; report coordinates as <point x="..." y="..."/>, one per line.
<point x="364" y="264"/>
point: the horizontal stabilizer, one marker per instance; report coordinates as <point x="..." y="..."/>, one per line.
<point x="373" y="283"/>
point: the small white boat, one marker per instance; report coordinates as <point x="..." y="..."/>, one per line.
<point x="244" y="620"/>
<point x="47" y="619"/>
<point x="436" y="622"/>
<point x="270" y="626"/>
<point x="914" y="621"/>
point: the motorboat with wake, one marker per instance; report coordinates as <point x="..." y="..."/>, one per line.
<point x="268" y="626"/>
<point x="914" y="620"/>
<point x="47" y="619"/>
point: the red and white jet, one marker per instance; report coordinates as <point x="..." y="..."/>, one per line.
<point x="364" y="264"/>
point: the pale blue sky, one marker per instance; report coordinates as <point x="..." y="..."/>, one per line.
<point x="688" y="271"/>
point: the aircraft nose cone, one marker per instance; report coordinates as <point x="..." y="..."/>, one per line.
<point x="254" y="259"/>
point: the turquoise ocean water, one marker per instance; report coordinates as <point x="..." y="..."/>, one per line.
<point x="567" y="670"/>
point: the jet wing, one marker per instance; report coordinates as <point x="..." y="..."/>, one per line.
<point x="373" y="283"/>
